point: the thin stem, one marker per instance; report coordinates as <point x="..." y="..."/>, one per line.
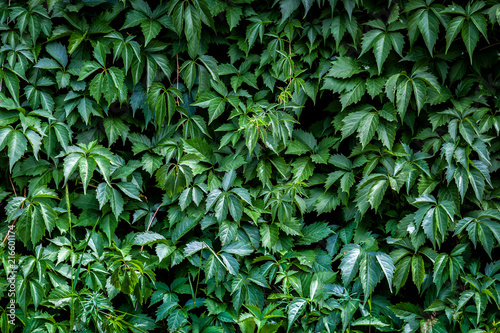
<point x="68" y="208"/>
<point x="22" y="206"/>
<point x="197" y="283"/>
<point x="177" y="77"/>
<point x="12" y="184"/>
<point x="151" y="221"/>
<point x="486" y="47"/>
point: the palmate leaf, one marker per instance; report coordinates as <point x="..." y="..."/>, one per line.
<point x="221" y="145"/>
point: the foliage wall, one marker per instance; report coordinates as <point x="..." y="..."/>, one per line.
<point x="250" y="166"/>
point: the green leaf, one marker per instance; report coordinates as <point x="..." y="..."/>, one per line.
<point x="192" y="29"/>
<point x="369" y="274"/>
<point x="481" y="24"/>
<point x="467" y="132"/>
<point x="401" y="272"/>
<point x="369" y="321"/>
<point x="477" y="183"/>
<point x="147" y="237"/>
<point x="381" y="48"/>
<point x="350" y="262"/>
<point x="230" y="263"/>
<point x="470" y="36"/>
<point x="407" y="311"/>
<point x="313" y="233"/>
<point x="269" y="235"/>
<point x="18" y="144"/>
<point x="344" y="68"/>
<point x="420" y="91"/>
<point x="453" y="29"/>
<point x="183" y="227"/>
<point x="351" y="122"/>
<point x="200" y="148"/>
<point x="130" y="189"/>
<point x="354" y="95"/>
<point x="58" y="52"/>
<point x="116" y="202"/>
<point x="418" y="270"/>
<point x="134" y="18"/>
<point x="385" y="262"/>
<point x="176" y="320"/>
<point x="367" y="127"/>
<point x="88" y="68"/>
<point x="403" y="95"/>
<point x="74" y="41"/>
<point x="288" y="7"/>
<point x="428" y="24"/>
<point x="114" y="128"/>
<point x="387" y="134"/>
<point x="295" y="309"/>
<point x="302" y="169"/>
<point x="12" y="83"/>
<point x="328" y="201"/>
<point x="233" y="16"/>
<point x="37" y="292"/>
<point x="374" y="86"/>
<point x="150" y="28"/>
<point x="239" y="247"/>
<point x="163" y="251"/>
<point x="86" y="167"/>
<point x="211" y="65"/>
<point x="165" y="309"/>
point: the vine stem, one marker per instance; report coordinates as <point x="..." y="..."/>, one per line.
<point x="22" y="206"/>
<point x="487" y="47"/>
<point x="151" y="221"/>
<point x="177" y="75"/>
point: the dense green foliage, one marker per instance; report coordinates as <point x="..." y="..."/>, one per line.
<point x="251" y="166"/>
